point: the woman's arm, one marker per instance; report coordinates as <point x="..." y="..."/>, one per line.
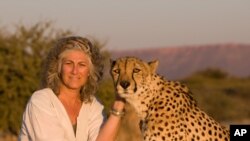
<point x="109" y="130"/>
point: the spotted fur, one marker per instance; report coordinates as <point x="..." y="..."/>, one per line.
<point x="166" y="108"/>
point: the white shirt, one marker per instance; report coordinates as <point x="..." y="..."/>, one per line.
<point x="45" y="119"/>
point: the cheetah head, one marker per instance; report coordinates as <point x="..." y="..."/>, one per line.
<point x="131" y="75"/>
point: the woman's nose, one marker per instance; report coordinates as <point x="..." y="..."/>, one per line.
<point x="75" y="69"/>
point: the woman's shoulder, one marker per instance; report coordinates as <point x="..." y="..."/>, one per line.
<point x="96" y="100"/>
<point x="42" y="97"/>
<point x="42" y="94"/>
<point x="42" y="101"/>
<point x="96" y="104"/>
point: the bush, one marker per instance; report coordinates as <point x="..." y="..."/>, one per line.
<point x="213" y="73"/>
<point x="21" y="55"/>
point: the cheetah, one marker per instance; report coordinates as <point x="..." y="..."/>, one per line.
<point x="166" y="108"/>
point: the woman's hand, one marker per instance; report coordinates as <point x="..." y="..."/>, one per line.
<point x="119" y="104"/>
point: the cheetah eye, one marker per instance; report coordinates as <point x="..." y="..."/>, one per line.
<point x="136" y="70"/>
<point x="116" y="71"/>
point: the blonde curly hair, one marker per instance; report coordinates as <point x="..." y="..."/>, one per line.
<point x="51" y="73"/>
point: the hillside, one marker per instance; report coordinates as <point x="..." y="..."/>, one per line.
<point x="180" y="62"/>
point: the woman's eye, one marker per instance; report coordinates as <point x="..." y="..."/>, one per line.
<point x="67" y="63"/>
<point x="82" y="65"/>
<point x="135" y="70"/>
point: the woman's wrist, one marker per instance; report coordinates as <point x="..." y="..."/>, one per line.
<point x="117" y="113"/>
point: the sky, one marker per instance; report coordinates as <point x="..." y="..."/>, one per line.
<point x="132" y="24"/>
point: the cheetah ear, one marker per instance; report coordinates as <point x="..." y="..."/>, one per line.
<point x="112" y="62"/>
<point x="153" y="65"/>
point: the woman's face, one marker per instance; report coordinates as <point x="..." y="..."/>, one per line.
<point x="74" y="69"/>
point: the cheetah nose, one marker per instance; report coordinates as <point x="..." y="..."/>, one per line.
<point x="124" y="84"/>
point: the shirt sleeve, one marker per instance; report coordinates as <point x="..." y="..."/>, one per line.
<point x="40" y="122"/>
<point x="96" y="120"/>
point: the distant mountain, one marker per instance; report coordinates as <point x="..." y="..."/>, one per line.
<point x="180" y="62"/>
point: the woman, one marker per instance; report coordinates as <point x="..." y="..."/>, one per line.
<point x="66" y="108"/>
